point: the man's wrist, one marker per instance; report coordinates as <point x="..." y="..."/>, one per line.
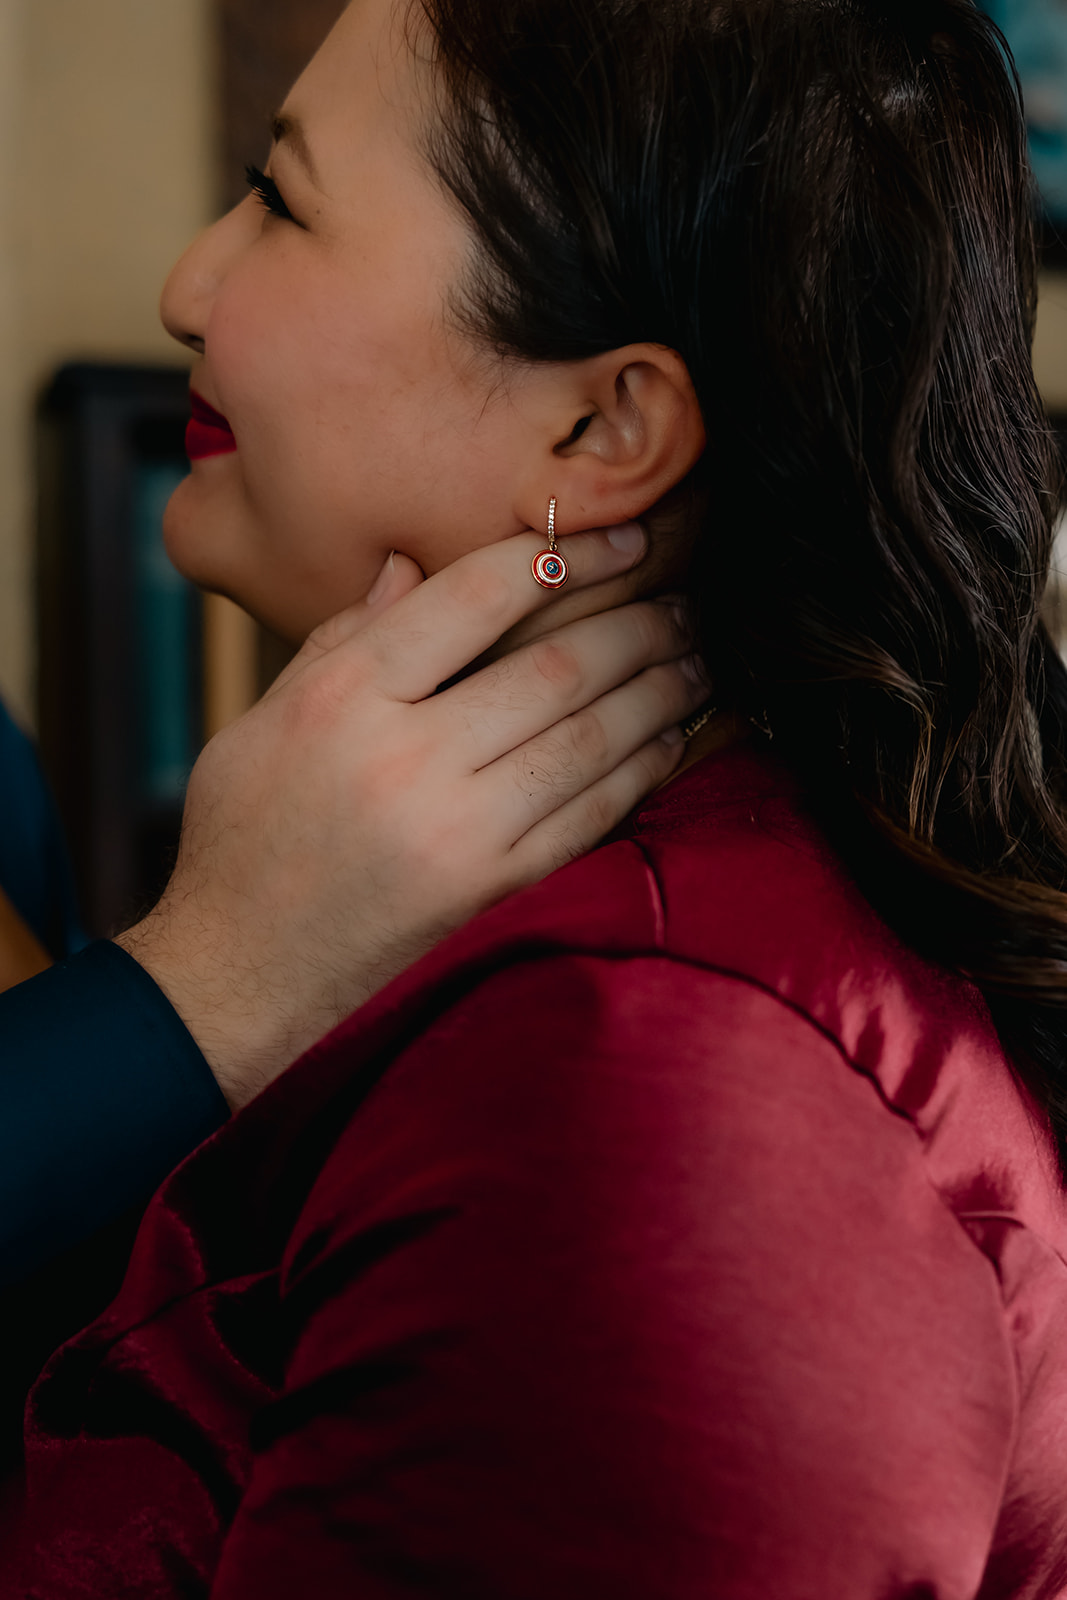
<point x="243" y="1040"/>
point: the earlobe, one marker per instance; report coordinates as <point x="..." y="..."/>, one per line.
<point x="641" y="433"/>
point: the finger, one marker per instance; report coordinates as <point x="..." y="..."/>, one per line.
<point x="547" y="772"/>
<point x="586" y="820"/>
<point x="398" y="577"/>
<point x="458" y="613"/>
<point x="532" y="689"/>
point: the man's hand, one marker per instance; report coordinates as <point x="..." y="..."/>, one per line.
<point x="355" y="816"/>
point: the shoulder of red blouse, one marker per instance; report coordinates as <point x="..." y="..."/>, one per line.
<point x="647" y="1221"/>
<point x="724" y="871"/>
<point x="675" y="1178"/>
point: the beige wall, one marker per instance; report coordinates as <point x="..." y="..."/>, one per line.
<point x="1050" y="347"/>
<point x="106" y="171"/>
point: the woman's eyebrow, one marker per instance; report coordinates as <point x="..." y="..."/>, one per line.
<point x="286" y="129"/>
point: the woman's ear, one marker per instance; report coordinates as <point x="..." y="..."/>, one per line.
<point x="628" y="430"/>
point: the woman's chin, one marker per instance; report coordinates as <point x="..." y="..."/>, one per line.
<point x="198" y="531"/>
<point x="215" y="540"/>
<point x="204" y="534"/>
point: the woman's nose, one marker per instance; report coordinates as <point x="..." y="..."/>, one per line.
<point x="190" y="291"/>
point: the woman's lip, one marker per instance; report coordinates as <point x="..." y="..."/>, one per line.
<point x="208" y="433"/>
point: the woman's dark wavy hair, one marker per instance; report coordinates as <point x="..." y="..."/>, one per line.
<point x="826" y="207"/>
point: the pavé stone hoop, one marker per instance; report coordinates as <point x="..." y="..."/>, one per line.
<point x="549" y="567"/>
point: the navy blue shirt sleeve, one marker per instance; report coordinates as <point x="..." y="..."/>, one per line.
<point x="102" y="1092"/>
<point x="102" y="1088"/>
<point x="34" y="868"/>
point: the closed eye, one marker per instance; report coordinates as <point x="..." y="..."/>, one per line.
<point x="267" y="192"/>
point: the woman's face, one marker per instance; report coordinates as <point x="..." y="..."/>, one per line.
<point x="362" y="422"/>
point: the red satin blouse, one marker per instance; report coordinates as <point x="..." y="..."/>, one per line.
<point x="670" y="1233"/>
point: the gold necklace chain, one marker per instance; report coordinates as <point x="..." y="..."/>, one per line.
<point x="701" y="719"/>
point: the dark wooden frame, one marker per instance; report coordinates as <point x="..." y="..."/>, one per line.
<point x="95" y="425"/>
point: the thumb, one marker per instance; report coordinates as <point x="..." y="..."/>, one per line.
<point x="397" y="578"/>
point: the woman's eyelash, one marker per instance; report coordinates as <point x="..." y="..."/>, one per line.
<point x="267" y="191"/>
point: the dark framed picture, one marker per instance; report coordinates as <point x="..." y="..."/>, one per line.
<point x="121" y="663"/>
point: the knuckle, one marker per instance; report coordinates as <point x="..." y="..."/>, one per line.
<point x="313" y="705"/>
<point x="557" y="665"/>
<point x="600" y="815"/>
<point x="321" y="640"/>
<point x="653" y="628"/>
<point x="651" y="765"/>
<point x="565" y="844"/>
<point x="673" y="694"/>
<point x="393" y="779"/>
<point x="499" y="684"/>
<point x="480" y="589"/>
<point x="428" y="867"/>
<point x="545" y="767"/>
<point x="588" y="736"/>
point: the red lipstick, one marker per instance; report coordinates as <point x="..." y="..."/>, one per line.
<point x="208" y="433"/>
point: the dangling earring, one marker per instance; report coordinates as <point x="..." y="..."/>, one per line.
<point x="549" y="567"/>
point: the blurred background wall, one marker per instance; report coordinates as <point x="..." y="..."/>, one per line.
<point x="125" y="128"/>
<point x="108" y="166"/>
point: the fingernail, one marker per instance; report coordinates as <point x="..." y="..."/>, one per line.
<point x="693" y="669"/>
<point x="672" y="738"/>
<point x="628" y="540"/>
<point x="381" y="582"/>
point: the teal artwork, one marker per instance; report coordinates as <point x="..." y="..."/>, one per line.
<point x="1036" y="31"/>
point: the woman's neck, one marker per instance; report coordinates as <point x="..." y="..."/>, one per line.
<point x="722" y="730"/>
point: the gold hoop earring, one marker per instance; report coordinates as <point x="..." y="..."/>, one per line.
<point x="549" y="567"/>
